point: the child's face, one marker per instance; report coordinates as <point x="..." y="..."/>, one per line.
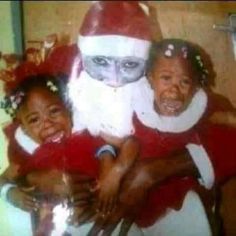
<point x="44" y="117"/>
<point x="173" y="82"/>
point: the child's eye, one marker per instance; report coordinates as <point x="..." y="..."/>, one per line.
<point x="165" y="77"/>
<point x="55" y="110"/>
<point x="186" y="82"/>
<point x="33" y="120"/>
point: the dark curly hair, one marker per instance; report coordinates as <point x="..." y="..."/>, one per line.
<point x="178" y="47"/>
<point x="55" y="84"/>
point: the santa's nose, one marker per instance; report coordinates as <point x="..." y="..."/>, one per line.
<point x="115" y="78"/>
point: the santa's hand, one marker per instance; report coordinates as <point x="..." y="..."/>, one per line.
<point x="23" y="199"/>
<point x="81" y="189"/>
<point x="49" y="182"/>
<point x="81" y="215"/>
<point x="108" y="189"/>
<point x="135" y="188"/>
<point x="105" y="224"/>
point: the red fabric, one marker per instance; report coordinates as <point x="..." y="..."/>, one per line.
<point x="112" y="17"/>
<point x="76" y="153"/>
<point x="23" y="70"/>
<point x="16" y="154"/>
<point x="219" y="141"/>
<point x="155" y="144"/>
<point x="60" y="60"/>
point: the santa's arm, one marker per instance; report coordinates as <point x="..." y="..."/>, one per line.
<point x="155" y="171"/>
<point x="112" y="170"/>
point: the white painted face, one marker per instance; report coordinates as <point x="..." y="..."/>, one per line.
<point x="114" y="71"/>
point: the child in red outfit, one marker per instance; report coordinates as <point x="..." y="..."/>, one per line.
<point x="42" y="108"/>
<point x="177" y="77"/>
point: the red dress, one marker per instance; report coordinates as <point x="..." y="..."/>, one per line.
<point x="76" y="153"/>
<point x="155" y="144"/>
<point x="219" y="144"/>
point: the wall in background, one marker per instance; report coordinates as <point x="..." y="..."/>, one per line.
<point x="190" y="20"/>
<point x="7" y="37"/>
<point x="10" y="42"/>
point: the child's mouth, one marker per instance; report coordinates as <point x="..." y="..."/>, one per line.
<point x="55" y="137"/>
<point x="172" y="106"/>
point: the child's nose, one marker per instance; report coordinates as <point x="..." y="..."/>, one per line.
<point x="47" y="122"/>
<point x="174" y="89"/>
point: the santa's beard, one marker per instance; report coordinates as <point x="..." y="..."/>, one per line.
<point x="101" y="108"/>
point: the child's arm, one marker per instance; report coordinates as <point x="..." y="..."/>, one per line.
<point x="112" y="170"/>
<point x="224" y="118"/>
<point x="10" y="191"/>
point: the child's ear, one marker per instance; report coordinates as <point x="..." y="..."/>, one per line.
<point x="150" y="79"/>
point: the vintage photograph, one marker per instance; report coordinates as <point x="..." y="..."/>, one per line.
<point x="117" y="118"/>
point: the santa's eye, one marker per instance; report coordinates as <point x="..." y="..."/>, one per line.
<point x="101" y="61"/>
<point x="130" y="64"/>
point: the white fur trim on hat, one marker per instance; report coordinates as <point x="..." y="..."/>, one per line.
<point x="203" y="163"/>
<point x="174" y="124"/>
<point x="144" y="8"/>
<point x="114" y="45"/>
<point x="48" y="45"/>
<point x="28" y="144"/>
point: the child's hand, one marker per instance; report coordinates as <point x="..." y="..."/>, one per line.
<point x="81" y="189"/>
<point x="22" y="198"/>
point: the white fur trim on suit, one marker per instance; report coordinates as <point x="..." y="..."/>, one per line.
<point x="114" y="45"/>
<point x="25" y="141"/>
<point x="175" y="124"/>
<point x="204" y="166"/>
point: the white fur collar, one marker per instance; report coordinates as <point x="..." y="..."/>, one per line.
<point x="176" y="124"/>
<point x="25" y="141"/>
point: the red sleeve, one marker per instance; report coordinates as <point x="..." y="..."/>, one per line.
<point x="15" y="153"/>
<point x="219" y="141"/>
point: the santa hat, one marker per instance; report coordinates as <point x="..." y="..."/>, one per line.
<point x="116" y="28"/>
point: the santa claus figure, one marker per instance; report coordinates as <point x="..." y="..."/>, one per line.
<point x="112" y="86"/>
<point x="114" y="42"/>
